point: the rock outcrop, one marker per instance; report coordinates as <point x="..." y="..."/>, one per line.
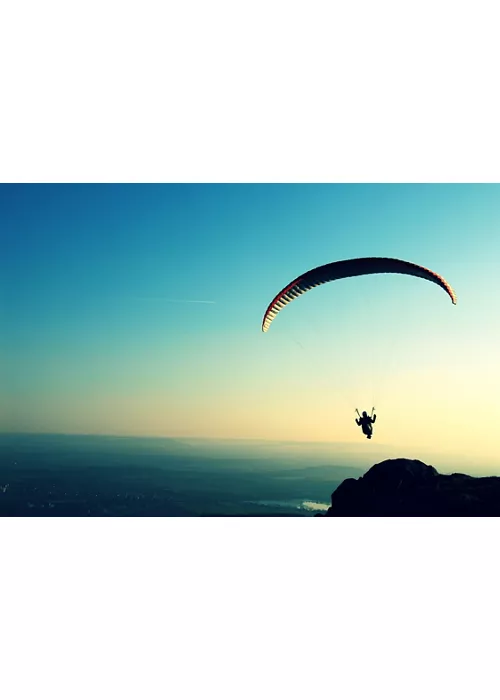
<point x="408" y="487"/>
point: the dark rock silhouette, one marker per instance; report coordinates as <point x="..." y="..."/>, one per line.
<point x="408" y="487"/>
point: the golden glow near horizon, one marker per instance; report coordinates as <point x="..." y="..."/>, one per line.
<point x="460" y="420"/>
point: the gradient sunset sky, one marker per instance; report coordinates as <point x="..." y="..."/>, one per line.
<point x="137" y="309"/>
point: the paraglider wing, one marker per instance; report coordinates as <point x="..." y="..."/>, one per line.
<point x="349" y="268"/>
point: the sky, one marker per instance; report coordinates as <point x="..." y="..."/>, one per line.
<point x="137" y="310"/>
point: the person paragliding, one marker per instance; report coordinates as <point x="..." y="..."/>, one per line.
<point x="366" y="422"/>
<point x="342" y="269"/>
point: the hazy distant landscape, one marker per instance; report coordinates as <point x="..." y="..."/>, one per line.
<point x="61" y="475"/>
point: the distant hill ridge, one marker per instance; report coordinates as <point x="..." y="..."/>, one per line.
<point x="408" y="487"/>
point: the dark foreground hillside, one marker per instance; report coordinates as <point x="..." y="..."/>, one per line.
<point x="406" y="487"/>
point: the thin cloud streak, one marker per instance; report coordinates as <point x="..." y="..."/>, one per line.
<point x="177" y="301"/>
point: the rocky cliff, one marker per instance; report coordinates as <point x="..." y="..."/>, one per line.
<point x="406" y="487"/>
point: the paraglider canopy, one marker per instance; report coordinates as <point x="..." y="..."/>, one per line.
<point x="349" y="268"/>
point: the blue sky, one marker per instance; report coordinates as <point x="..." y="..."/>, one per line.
<point x="103" y="330"/>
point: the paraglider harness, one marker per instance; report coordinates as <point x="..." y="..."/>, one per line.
<point x="366" y="425"/>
